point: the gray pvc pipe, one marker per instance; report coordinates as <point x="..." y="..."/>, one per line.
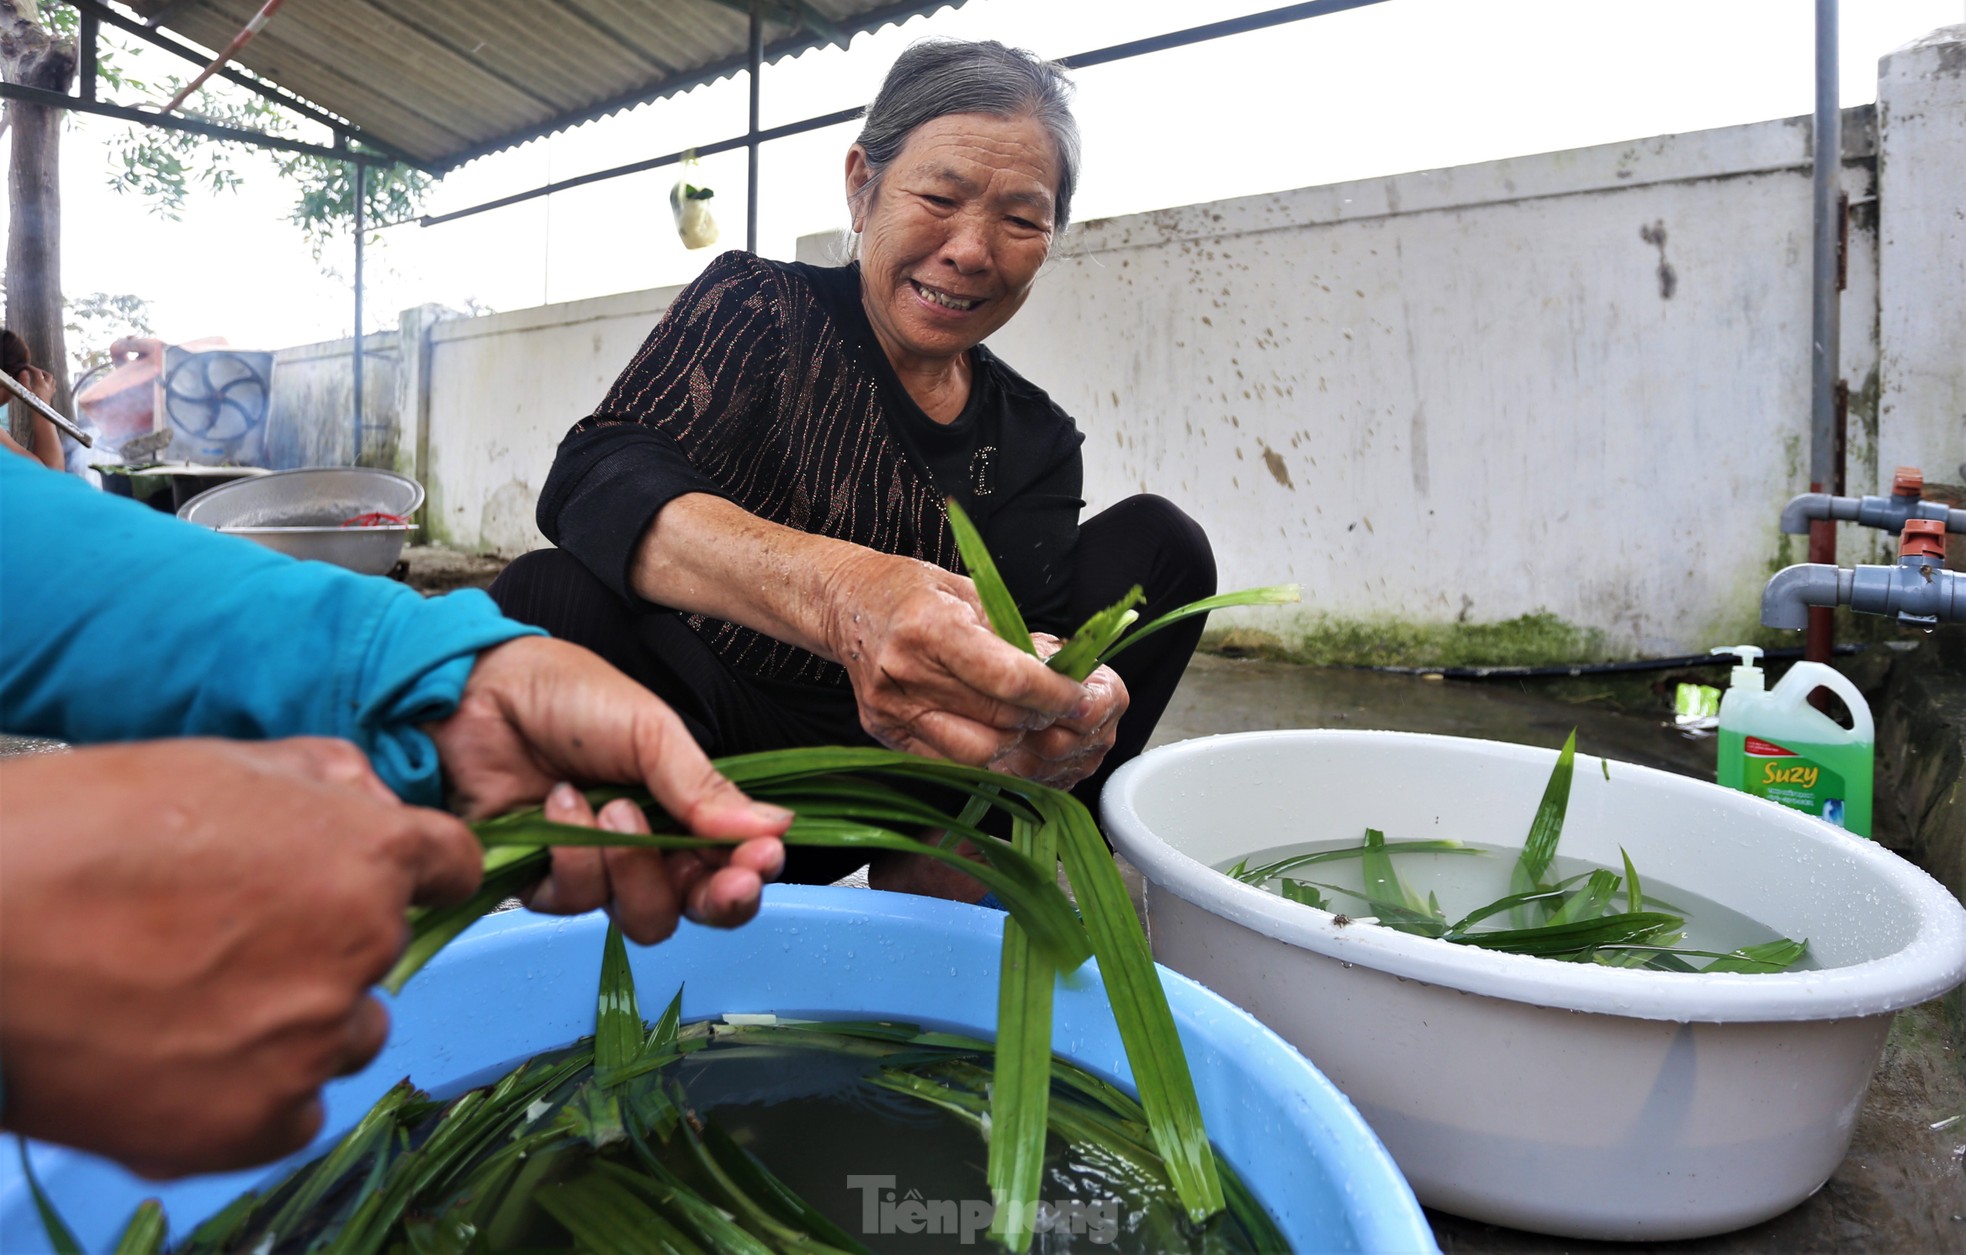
<point x="1785" y="602"/>
<point x="1888" y="513"/>
<point x="1815" y="505"/>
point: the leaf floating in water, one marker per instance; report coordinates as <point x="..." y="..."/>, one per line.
<point x="560" y="1151"/>
<point x="1554" y="921"/>
<point x="1769" y="956"/>
<point x="1305" y="893"/>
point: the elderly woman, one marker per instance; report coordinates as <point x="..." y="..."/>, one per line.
<point x="752" y="524"/>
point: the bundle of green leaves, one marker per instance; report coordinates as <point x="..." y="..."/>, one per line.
<point x="597" y="1146"/>
<point x="1575" y="919"/>
<point x="873" y="800"/>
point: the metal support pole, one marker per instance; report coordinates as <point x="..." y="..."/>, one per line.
<point x="361" y="231"/>
<point x="49" y="412"/>
<point x="1825" y="333"/>
<point x="86" y="37"/>
<point x="751" y="136"/>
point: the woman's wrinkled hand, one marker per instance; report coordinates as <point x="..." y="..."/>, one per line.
<point x="1073" y="748"/>
<point x="932" y="678"/>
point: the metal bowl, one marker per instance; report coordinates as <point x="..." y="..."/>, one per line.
<point x="300" y="513"/>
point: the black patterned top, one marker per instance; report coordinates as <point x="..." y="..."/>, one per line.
<point x="763" y="384"/>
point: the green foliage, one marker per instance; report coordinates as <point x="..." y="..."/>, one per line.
<point x="97" y="320"/>
<point x="64" y="22"/>
<point x="1540" y="639"/>
<point x="1106" y="633"/>
<point x="615" y="1156"/>
<point x="1549" y="920"/>
<point x="164" y="167"/>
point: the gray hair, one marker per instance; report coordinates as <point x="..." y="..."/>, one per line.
<point x="938" y="77"/>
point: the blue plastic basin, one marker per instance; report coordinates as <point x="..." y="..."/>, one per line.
<point x="519" y="983"/>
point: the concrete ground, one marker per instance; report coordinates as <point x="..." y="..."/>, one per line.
<point x="1901" y="1188"/>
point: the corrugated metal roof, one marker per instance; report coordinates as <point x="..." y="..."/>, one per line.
<point x="444" y="81"/>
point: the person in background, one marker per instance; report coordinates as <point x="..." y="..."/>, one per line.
<point x="17" y="361"/>
<point x="193" y="910"/>
<point x="752" y="523"/>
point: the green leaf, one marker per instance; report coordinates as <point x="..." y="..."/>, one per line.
<point x="1304" y="893"/>
<point x="728" y="1193"/>
<point x="1499" y="905"/>
<point x="518" y="855"/>
<point x="1546" y="829"/>
<point x="144" y="1234"/>
<point x="432" y="928"/>
<point x="594" y="1116"/>
<point x="1275" y="595"/>
<point x="223" y="1231"/>
<point x="1388" y="895"/>
<point x="1270" y="871"/>
<point x="1079" y="657"/>
<point x="361" y="1148"/>
<point x="60" y="1237"/>
<point x="1555" y="939"/>
<point x="608" y="1218"/>
<point x="448" y="1234"/>
<point x="617" y="1021"/>
<point x="1591" y="902"/>
<point x="1146" y="1024"/>
<point x="749" y="1173"/>
<point x="1019" y="1103"/>
<point x="663" y="1035"/>
<point x="998" y="604"/>
<point x="1769" y="956"/>
<point x="1634" y="892"/>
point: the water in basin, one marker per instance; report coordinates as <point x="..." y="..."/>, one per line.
<point x="1466" y="881"/>
<point x="891" y="1168"/>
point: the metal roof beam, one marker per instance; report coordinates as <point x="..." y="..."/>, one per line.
<point x="872" y="20"/>
<point x="791" y="14"/>
<point x="1212" y="30"/>
<point x="259" y="87"/>
<point x="637" y="167"/>
<point x="1098" y="56"/>
<point x="172" y="122"/>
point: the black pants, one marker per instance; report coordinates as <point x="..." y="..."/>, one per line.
<point x="1144" y="540"/>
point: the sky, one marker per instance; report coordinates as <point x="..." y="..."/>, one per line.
<point x="1398" y="86"/>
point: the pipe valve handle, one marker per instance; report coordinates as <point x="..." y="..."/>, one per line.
<point x="1923" y="538"/>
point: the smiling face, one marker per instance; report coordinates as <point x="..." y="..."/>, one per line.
<point x="953" y="234"/>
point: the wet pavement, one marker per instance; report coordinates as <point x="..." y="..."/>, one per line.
<point x="1902" y="1186"/>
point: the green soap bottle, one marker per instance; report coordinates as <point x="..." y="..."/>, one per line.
<point x="1775" y="745"/>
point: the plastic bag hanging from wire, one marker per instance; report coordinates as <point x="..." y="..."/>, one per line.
<point x="689" y="202"/>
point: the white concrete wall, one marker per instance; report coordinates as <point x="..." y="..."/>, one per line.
<point x="501" y="392"/>
<point x="1573" y="384"/>
<point x="1921" y="118"/>
<point x="312" y="419"/>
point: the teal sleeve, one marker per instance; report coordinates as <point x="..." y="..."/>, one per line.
<point x="120" y="623"/>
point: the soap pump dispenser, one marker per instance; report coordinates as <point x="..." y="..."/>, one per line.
<point x="1775" y="745"/>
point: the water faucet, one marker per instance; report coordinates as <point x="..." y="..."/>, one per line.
<point x="1888" y="513"/>
<point x="1918" y="590"/>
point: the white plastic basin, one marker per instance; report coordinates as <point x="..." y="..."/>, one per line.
<point x="1564" y="1098"/>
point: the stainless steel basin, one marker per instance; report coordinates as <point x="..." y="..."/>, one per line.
<point x="305" y="513"/>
